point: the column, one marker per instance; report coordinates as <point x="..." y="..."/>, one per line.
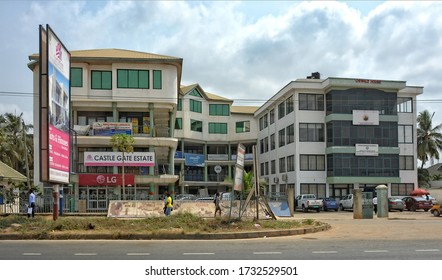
<point x="151" y="116"/>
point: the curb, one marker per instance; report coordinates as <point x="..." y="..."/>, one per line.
<point x="196" y="236"/>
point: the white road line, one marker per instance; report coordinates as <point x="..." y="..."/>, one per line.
<point x="31" y="254"/>
<point x="428" y="250"/>
<point x="267" y="253"/>
<point x="198" y="253"/>
<point x="138" y="254"/>
<point x="324" y="252"/>
<point x="85" y="254"/>
<point x="376" y="251"/>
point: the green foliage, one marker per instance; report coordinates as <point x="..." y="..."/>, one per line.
<point x="429" y="138"/>
<point x="123" y="142"/>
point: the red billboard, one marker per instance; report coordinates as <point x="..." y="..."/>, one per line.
<point x="105" y="179"/>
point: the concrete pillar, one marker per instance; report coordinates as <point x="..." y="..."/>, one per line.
<point x="382" y="194"/>
<point x="152" y="191"/>
<point x="357" y="204"/>
<point x="291" y="200"/>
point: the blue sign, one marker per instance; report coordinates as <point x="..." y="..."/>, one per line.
<point x="110" y="132"/>
<point x="194" y="160"/>
<point x="179" y="154"/>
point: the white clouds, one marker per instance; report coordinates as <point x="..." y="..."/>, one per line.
<point x="234" y="53"/>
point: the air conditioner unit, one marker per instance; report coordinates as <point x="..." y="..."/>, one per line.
<point x="284" y="177"/>
<point x="275" y="180"/>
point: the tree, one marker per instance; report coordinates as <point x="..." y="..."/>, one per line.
<point x="429" y="138"/>
<point x="123" y="143"/>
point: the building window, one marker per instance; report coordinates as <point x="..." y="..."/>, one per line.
<point x="266" y="168"/>
<point x="242" y="126"/>
<point x="132" y="78"/>
<point x="384" y="165"/>
<point x="180" y="104"/>
<point x="311" y="102"/>
<point x="261" y="146"/>
<point x="195" y="92"/>
<point x="272" y="142"/>
<point x="196" y="106"/>
<point x="196" y="125"/>
<point x="178" y="123"/>
<point x="272" y="116"/>
<point x="405" y="105"/>
<point x="289" y="105"/>
<point x="401" y="189"/>
<point x="262" y="169"/>
<point x="316" y="189"/>
<point x="76" y="77"/>
<point x="311" y="132"/>
<point x="218" y="128"/>
<point x="405" y="134"/>
<point x="291" y="163"/>
<point x="281" y="110"/>
<point x="282" y="165"/>
<point x="290" y="134"/>
<point x="312" y="162"/>
<point x="273" y="167"/>
<point x="263" y="123"/>
<point x="406" y="162"/>
<point x="281" y="136"/>
<point x="157" y="79"/>
<point x="219" y="110"/>
<point x="101" y="80"/>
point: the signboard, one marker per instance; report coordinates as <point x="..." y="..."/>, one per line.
<point x="146" y="125"/>
<point x="105" y="179"/>
<point x="239" y="171"/>
<point x="179" y="154"/>
<point x="111" y="128"/>
<point x="116" y="159"/>
<point x="217" y="157"/>
<point x="240" y="155"/>
<point x="365" y="117"/>
<point x="367" y="150"/>
<point x="218" y="169"/>
<point x="194" y="160"/>
<point x="55" y="140"/>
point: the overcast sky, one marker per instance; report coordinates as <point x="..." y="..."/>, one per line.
<point x="245" y="51"/>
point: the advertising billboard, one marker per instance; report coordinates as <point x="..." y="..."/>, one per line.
<point x="55" y="140"/>
<point x="194" y="160"/>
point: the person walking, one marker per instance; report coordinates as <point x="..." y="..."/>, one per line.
<point x="375" y="204"/>
<point x="168" y="204"/>
<point x="31" y="204"/>
<point x="217" y="206"/>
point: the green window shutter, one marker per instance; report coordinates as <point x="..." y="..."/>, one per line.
<point x="96" y="80"/>
<point x="180" y="104"/>
<point x="157" y="79"/>
<point x="179" y="123"/>
<point x="133" y="79"/>
<point x="143" y="78"/>
<point x="122" y="78"/>
<point x="76" y="77"/>
<point x="239" y="127"/>
<point x="106" y="80"/>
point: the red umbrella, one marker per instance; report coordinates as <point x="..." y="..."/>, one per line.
<point x="417" y="192"/>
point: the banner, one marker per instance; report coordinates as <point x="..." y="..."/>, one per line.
<point x="116" y="159"/>
<point x="194" y="160"/>
<point x="105" y="179"/>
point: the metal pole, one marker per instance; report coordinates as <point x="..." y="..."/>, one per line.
<point x="55" y="189"/>
<point x="255" y="171"/>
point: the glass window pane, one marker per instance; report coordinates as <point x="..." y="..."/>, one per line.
<point x="121" y="78"/>
<point x="96" y="80"/>
<point x="143" y="79"/>
<point x="133" y="78"/>
<point x="157" y="79"/>
<point x="107" y="80"/>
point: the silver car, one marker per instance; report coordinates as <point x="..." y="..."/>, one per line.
<point x="395" y="203"/>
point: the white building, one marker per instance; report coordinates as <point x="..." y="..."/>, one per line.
<point x="330" y="136"/>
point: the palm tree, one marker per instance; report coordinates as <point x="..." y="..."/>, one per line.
<point x="123" y="143"/>
<point x="429" y="138"/>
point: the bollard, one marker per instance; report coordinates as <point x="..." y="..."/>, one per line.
<point x="357" y="204"/>
<point x="382" y="194"/>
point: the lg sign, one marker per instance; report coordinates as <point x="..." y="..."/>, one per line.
<point x="105" y="179"/>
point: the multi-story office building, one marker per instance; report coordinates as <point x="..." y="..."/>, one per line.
<point x="330" y="136"/>
<point x="193" y="134"/>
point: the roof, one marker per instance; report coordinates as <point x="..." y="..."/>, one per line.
<point x="7" y="173"/>
<point x="243" y="109"/>
<point x="210" y="96"/>
<point x="435" y="169"/>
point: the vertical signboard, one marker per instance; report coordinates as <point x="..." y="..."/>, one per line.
<point x="239" y="171"/>
<point x="55" y="108"/>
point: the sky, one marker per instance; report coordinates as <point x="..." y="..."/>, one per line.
<point x="243" y="50"/>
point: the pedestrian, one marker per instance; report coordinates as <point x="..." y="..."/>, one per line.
<point x="168" y="204"/>
<point x="375" y="204"/>
<point x="31" y="204"/>
<point x="217" y="206"/>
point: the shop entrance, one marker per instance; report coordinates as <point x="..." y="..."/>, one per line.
<point x="97" y="199"/>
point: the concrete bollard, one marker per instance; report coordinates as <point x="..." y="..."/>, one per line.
<point x="382" y="195"/>
<point x="357" y="204"/>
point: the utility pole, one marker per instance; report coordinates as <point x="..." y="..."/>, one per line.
<point x="26" y="154"/>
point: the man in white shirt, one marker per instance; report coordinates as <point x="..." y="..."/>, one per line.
<point x="31" y="204"/>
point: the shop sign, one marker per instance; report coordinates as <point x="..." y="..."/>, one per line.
<point x="194" y="160"/>
<point x="105" y="179"/>
<point x="367" y="150"/>
<point x="116" y="159"/>
<point x="365" y="117"/>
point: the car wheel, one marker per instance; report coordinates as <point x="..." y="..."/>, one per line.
<point x="436" y="213"/>
<point x="400" y="210"/>
<point x="318" y="210"/>
<point x="413" y="208"/>
<point x="341" y="207"/>
<point x="426" y="210"/>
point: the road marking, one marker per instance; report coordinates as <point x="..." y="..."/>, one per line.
<point x="198" y="254"/>
<point x="267" y="253"/>
<point x="31" y="254"/>
<point x="376" y="251"/>
<point x="85" y="254"/>
<point x="324" y="252"/>
<point x="428" y="250"/>
<point x="138" y="254"/>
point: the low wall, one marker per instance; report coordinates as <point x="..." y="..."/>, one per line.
<point x="154" y="208"/>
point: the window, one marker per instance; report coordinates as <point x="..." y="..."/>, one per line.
<point x="178" y="123"/>
<point x="272" y="116"/>
<point x="401" y="189"/>
<point x="195" y="106"/>
<point x="405" y="105"/>
<point x="316" y="189"/>
<point x="311" y="102"/>
<point x="219" y="110"/>
<point x="196" y="93"/>
<point x="291" y="163"/>
<point x="242" y="126"/>
<point x="272" y="142"/>
<point x="132" y="78"/>
<point x="312" y="162"/>
<point x="311" y="132"/>
<point x="281" y="110"/>
<point x="263" y="122"/>
<point x="289" y="105"/>
<point x="196" y="125"/>
<point x="281" y="136"/>
<point x="261" y="146"/>
<point x="180" y="105"/>
<point x="101" y="80"/>
<point x="218" y="128"/>
<point x="290" y="134"/>
<point x="405" y="134"/>
<point x="266" y="144"/>
<point x="273" y="167"/>
<point x="406" y="162"/>
<point x="282" y="165"/>
<point x="157" y="79"/>
<point x="262" y="169"/>
<point x="266" y="168"/>
<point x="76" y="77"/>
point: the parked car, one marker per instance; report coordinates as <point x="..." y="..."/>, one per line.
<point x="329" y="203"/>
<point x="414" y="203"/>
<point x="395" y="203"/>
<point x="308" y="201"/>
<point x="346" y="202"/>
<point x="435" y="210"/>
<point x="185" y="196"/>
